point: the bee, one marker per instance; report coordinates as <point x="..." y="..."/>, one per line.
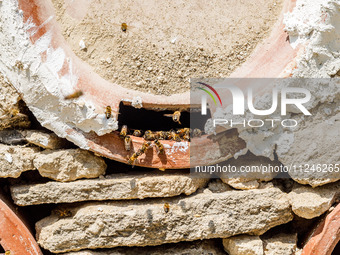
<point x="10" y="113"/>
<point x="133" y="158"/>
<point x="160" y="146"/>
<point x="175" y="116"/>
<point x="108" y="112"/>
<point x="75" y="95"/>
<point x="63" y="213"/>
<point x="196" y="132"/>
<point x="175" y="136"/>
<point x="168" y="135"/>
<point x="149" y="136"/>
<point x="186" y="137"/>
<point x="141" y="151"/>
<point x="127" y="143"/>
<point x="19" y="65"/>
<point x="123" y="132"/>
<point x="183" y="131"/>
<point x="160" y="135"/>
<point x="137" y="133"/>
<point x="7" y="252"/>
<point x="124" y="27"/>
<point x="161" y="169"/>
<point x="145" y="146"/>
<point x="166" y="207"/>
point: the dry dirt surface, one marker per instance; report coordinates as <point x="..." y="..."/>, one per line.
<point x="166" y="42"/>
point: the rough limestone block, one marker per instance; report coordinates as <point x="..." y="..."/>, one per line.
<point x="243" y="245"/>
<point x="44" y="139"/>
<point x="281" y="244"/>
<point x="308" y="202"/>
<point x="69" y="165"/>
<point x="248" y="180"/>
<point x="16" y="159"/>
<point x="315" y="146"/>
<point x="113" y="187"/>
<point x="205" y="247"/>
<point x="148" y="222"/>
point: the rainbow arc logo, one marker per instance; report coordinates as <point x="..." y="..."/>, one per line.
<point x="209" y="93"/>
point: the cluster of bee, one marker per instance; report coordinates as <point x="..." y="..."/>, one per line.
<point x="155" y="137"/>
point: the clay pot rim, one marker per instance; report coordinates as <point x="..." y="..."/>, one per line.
<point x="274" y="57"/>
<point x="14" y="235"/>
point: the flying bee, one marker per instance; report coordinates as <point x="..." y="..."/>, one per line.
<point x="127" y="143"/>
<point x="196" y="132"/>
<point x="137" y="133"/>
<point x="63" y="213"/>
<point x="133" y="158"/>
<point x="160" y="135"/>
<point x="75" y="95"/>
<point x="160" y="146"/>
<point x="166" y="207"/>
<point x="149" y="136"/>
<point x="175" y="116"/>
<point x="108" y="112"/>
<point x="123" y="132"/>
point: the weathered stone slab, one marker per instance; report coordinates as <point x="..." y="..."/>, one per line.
<point x="113" y="187"/>
<point x="315" y="150"/>
<point x="44" y="139"/>
<point x="243" y="245"/>
<point x="10" y="116"/>
<point x="149" y="222"/>
<point x="248" y="180"/>
<point x="16" y="159"/>
<point x="69" y="165"/>
<point x="308" y="202"/>
<point x="281" y="244"/>
<point x="205" y="247"/>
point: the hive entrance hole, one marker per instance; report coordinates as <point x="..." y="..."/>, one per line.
<point x="144" y="119"/>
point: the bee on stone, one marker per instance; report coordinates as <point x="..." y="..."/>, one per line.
<point x="63" y="213"/>
<point x="108" y="112"/>
<point x="166" y="207"/>
<point x="124" y="27"/>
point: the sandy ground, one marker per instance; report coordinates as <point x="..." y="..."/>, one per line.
<point x="166" y="42"/>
